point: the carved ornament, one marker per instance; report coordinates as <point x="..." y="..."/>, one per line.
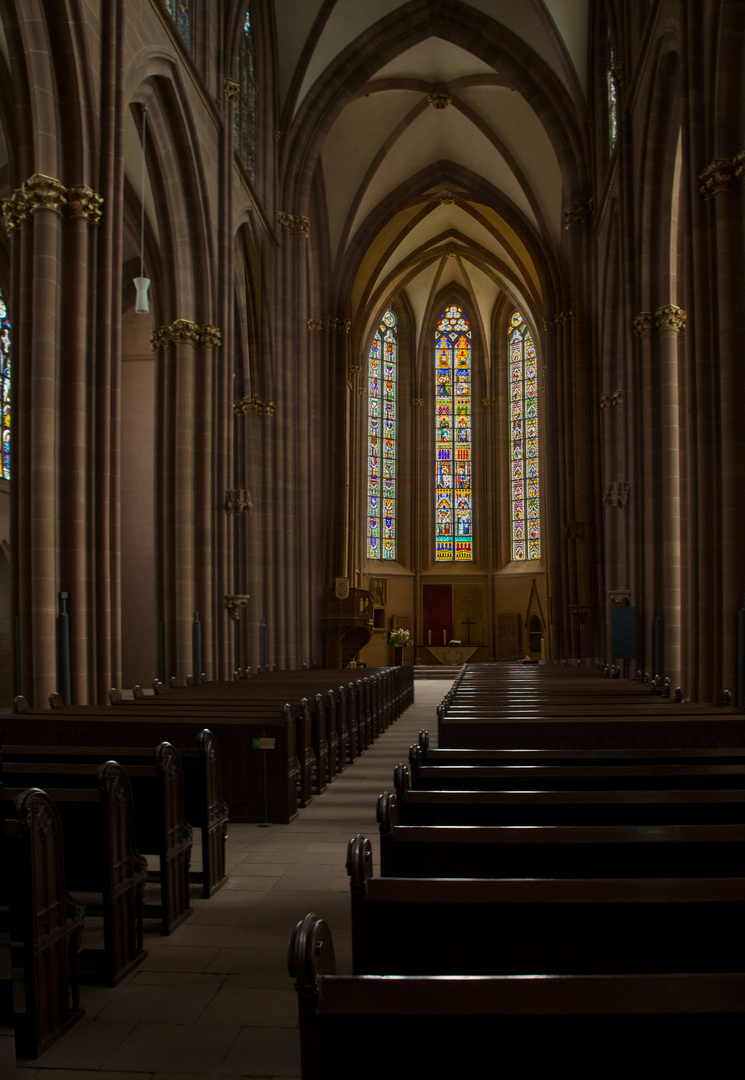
<point x="609" y="401"/>
<point x="236" y="603"/>
<point x="41" y="192"/>
<point x="558" y="320"/>
<point x="619" y="598"/>
<point x="617" y="494"/>
<point x="186" y="332"/>
<point x="231" y="90"/>
<point x="295" y="224"/>
<point x="446" y="198"/>
<point x="642" y="323"/>
<point x="670" y="317"/>
<point x="254" y="404"/>
<point x="330" y="322"/>
<point x="580" y="612"/>
<point x="440" y="97"/>
<point x="717" y="176"/>
<point x="238" y="501"/>
<point x="578" y="211"/>
<point x="354" y="369"/>
<point x="417" y="402"/>
<point x="574" y="530"/>
<point x="487" y="401"/>
<point x="85" y="203"/>
<point x="276" y="134"/>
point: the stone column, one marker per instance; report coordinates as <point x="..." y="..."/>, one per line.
<point x="646" y="540"/>
<point x="669" y="321"/>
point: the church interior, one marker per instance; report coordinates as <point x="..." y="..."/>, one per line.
<point x="338" y="333"/>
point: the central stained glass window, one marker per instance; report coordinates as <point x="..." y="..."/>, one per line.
<point x="453" y="498"/>
<point x="381" y="428"/>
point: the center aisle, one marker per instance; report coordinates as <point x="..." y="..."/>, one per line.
<point x="214" y="1001"/>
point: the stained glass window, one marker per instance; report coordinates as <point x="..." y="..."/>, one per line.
<point x="244" y="130"/>
<point x="526" y="517"/>
<point x="180" y="12"/>
<point x="381" y="428"/>
<point x="612" y="100"/>
<point x="453" y="500"/>
<point x="5" y="386"/>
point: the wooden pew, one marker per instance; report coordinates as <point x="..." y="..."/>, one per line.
<point x="562" y="851"/>
<point x="45" y="923"/>
<point x="661" y="807"/>
<point x="579" y="1026"/>
<point x="204" y="807"/>
<point x="466" y="926"/>
<point x="160" y="827"/>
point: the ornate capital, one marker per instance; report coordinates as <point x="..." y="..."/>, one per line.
<point x="578" y="211"/>
<point x="330" y="322"/>
<point x="574" y="530"/>
<point x="440" y="97"/>
<point x="558" y="320"/>
<point x="236" y="603"/>
<point x="231" y="90"/>
<point x="580" y="612"/>
<point x="417" y="402"/>
<point x="37" y="193"/>
<point x="670" y="317"/>
<point x="642" y="323"/>
<point x="85" y="203"/>
<point x="186" y="332"/>
<point x="315" y="324"/>
<point x="619" y="597"/>
<point x="276" y="134"/>
<point x="299" y="226"/>
<point x="488" y="401"/>
<point x="717" y="176"/>
<point x="254" y="404"/>
<point x="353" y="369"/>
<point x="609" y="401"/>
<point x="617" y="494"/>
<point x="238" y="501"/>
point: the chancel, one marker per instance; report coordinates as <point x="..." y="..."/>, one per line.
<point x="436" y="323"/>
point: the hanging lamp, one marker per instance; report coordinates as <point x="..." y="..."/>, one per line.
<point x="141" y="283"/>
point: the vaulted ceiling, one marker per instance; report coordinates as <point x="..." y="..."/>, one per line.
<point x="444" y="139"/>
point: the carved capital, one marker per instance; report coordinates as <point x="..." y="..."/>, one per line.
<point x="670" y="317"/>
<point x="354" y="369"/>
<point x="315" y="324"/>
<point x="254" y="404"/>
<point x="235" y="603"/>
<point x="717" y="176"/>
<point x="440" y="97"/>
<point x="619" y="597"/>
<point x="231" y="91"/>
<point x="610" y="401"/>
<point x="186" y="332"/>
<point x="85" y="203"/>
<point x="574" y="530"/>
<point x="330" y="322"/>
<point x="238" y="501"/>
<point x="558" y="320"/>
<point x="488" y="401"/>
<point x="617" y="494"/>
<point x="642" y="323"/>
<point x="578" y="211"/>
<point x="295" y="224"/>
<point x="417" y="402"/>
<point x="37" y="193"/>
<point x="580" y="612"/>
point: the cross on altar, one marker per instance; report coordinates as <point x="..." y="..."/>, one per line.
<point x="468" y="623"/>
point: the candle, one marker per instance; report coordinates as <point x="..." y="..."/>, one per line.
<point x="430" y="638"/>
<point x="443" y="637"/>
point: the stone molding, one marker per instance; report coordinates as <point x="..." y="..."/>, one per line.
<point x="578" y="211"/>
<point x="231" y="90"/>
<point x="41" y="192"/>
<point x="617" y="494"/>
<point x="330" y="322"/>
<point x="574" y="530"/>
<point x="580" y="612"/>
<point x="608" y="401"/>
<point x="254" y="404"/>
<point x="670" y="317"/>
<point x="293" y="223"/>
<point x="238" y="501"/>
<point x="235" y="603"/>
<point x="440" y="97"/>
<point x="354" y="369"/>
<point x="642" y="323"/>
<point x="488" y="401"/>
<point x="619" y="597"/>
<point x="186" y="332"/>
<point x="417" y="402"/>
<point x="558" y="320"/>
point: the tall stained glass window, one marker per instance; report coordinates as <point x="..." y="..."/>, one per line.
<point x="180" y="12"/>
<point x="453" y="499"/>
<point x="611" y="76"/>
<point x="5" y="386"/>
<point x="382" y="422"/>
<point x="244" y="130"/>
<point x="526" y="517"/>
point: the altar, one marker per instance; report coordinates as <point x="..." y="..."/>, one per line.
<point x="453" y="655"/>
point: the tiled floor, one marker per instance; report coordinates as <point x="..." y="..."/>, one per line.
<point x="214" y="1000"/>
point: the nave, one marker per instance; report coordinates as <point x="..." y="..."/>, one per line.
<point x="214" y="1000"/>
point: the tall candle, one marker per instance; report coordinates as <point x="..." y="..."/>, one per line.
<point x="430" y="638"/>
<point x="443" y="637"/>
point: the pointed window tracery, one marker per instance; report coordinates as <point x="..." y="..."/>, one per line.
<point x="453" y="492"/>
<point x="612" y="78"/>
<point x="5" y="386"/>
<point x="524" y="465"/>
<point x="180" y="12"/>
<point x="382" y="377"/>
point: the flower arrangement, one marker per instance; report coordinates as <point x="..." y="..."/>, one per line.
<point x="400" y="637"/>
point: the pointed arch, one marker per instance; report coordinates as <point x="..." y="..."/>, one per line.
<point x="453" y="437"/>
